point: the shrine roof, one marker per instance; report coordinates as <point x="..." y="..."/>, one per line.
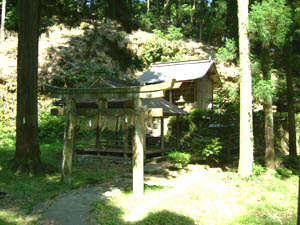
<point x="181" y="71"/>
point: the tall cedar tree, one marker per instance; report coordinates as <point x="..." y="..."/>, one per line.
<point x="3" y="19"/>
<point x="27" y="155"/>
<point x="246" y="126"/>
<point x="269" y="24"/>
<point x="268" y="112"/>
<point x="290" y="99"/>
<point x="291" y="65"/>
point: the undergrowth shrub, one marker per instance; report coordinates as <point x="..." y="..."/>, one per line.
<point x="284" y="172"/>
<point x="174" y="33"/>
<point x="51" y="128"/>
<point x="164" y="47"/>
<point x="208" y="148"/>
<point x="205" y="134"/>
<point x="281" y="141"/>
<point x="291" y="163"/>
<point x="181" y="122"/>
<point x="7" y="127"/>
<point x="179" y="159"/>
<point x="258" y="170"/>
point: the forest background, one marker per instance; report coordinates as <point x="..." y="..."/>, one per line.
<point x="81" y="40"/>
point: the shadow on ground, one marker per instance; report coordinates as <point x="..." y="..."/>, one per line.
<point x="4" y="222"/>
<point x="106" y="213"/>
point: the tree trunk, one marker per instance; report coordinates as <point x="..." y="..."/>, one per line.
<point x="167" y="8"/>
<point x="179" y="15"/>
<point x="3" y="20"/>
<point x="291" y="116"/>
<point x="268" y="113"/>
<point x="193" y="13"/>
<point x="246" y="126"/>
<point x="290" y="101"/>
<point x="298" y="213"/>
<point x="148" y="5"/>
<point x="157" y="9"/>
<point x="269" y="134"/>
<point x="27" y="155"/>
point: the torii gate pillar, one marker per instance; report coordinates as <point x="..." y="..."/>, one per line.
<point x="138" y="149"/>
<point x="68" y="141"/>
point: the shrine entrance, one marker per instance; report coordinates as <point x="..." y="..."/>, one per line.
<point x="134" y="116"/>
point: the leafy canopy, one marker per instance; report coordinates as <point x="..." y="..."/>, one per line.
<point x="270" y="21"/>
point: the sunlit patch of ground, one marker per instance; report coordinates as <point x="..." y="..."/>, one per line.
<point x="208" y="197"/>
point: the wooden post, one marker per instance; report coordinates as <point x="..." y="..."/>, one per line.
<point x="162" y="139"/>
<point x="125" y="139"/>
<point x="177" y="131"/>
<point x="102" y="104"/>
<point x="69" y="141"/>
<point x="98" y="135"/>
<point x="170" y="96"/>
<point x="75" y="139"/>
<point x="138" y="152"/>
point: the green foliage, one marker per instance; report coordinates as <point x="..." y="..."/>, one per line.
<point x="174" y="33"/>
<point x="159" y="33"/>
<point x="180" y="158"/>
<point x="262" y="89"/>
<point x="147" y="21"/>
<point x="202" y="117"/>
<point x="153" y="50"/>
<point x="270" y="21"/>
<point x="51" y="128"/>
<point x="7" y="128"/>
<point x="291" y="162"/>
<point x="209" y="22"/>
<point x="284" y="172"/>
<point x="228" y="53"/>
<point x="183" y="123"/>
<point x="11" y="19"/>
<point x="227" y="102"/>
<point x="164" y="47"/>
<point x="84" y="72"/>
<point x="209" y="129"/>
<point x="207" y="148"/>
<point x="258" y="170"/>
<point x="280" y="138"/>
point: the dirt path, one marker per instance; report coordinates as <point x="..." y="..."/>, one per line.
<point x="74" y="208"/>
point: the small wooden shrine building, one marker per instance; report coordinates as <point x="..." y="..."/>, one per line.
<point x="133" y="113"/>
<point x="195" y="81"/>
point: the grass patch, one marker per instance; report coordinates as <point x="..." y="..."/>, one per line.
<point x="23" y="193"/>
<point x="206" y="198"/>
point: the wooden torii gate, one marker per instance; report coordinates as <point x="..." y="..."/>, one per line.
<point x="137" y="115"/>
